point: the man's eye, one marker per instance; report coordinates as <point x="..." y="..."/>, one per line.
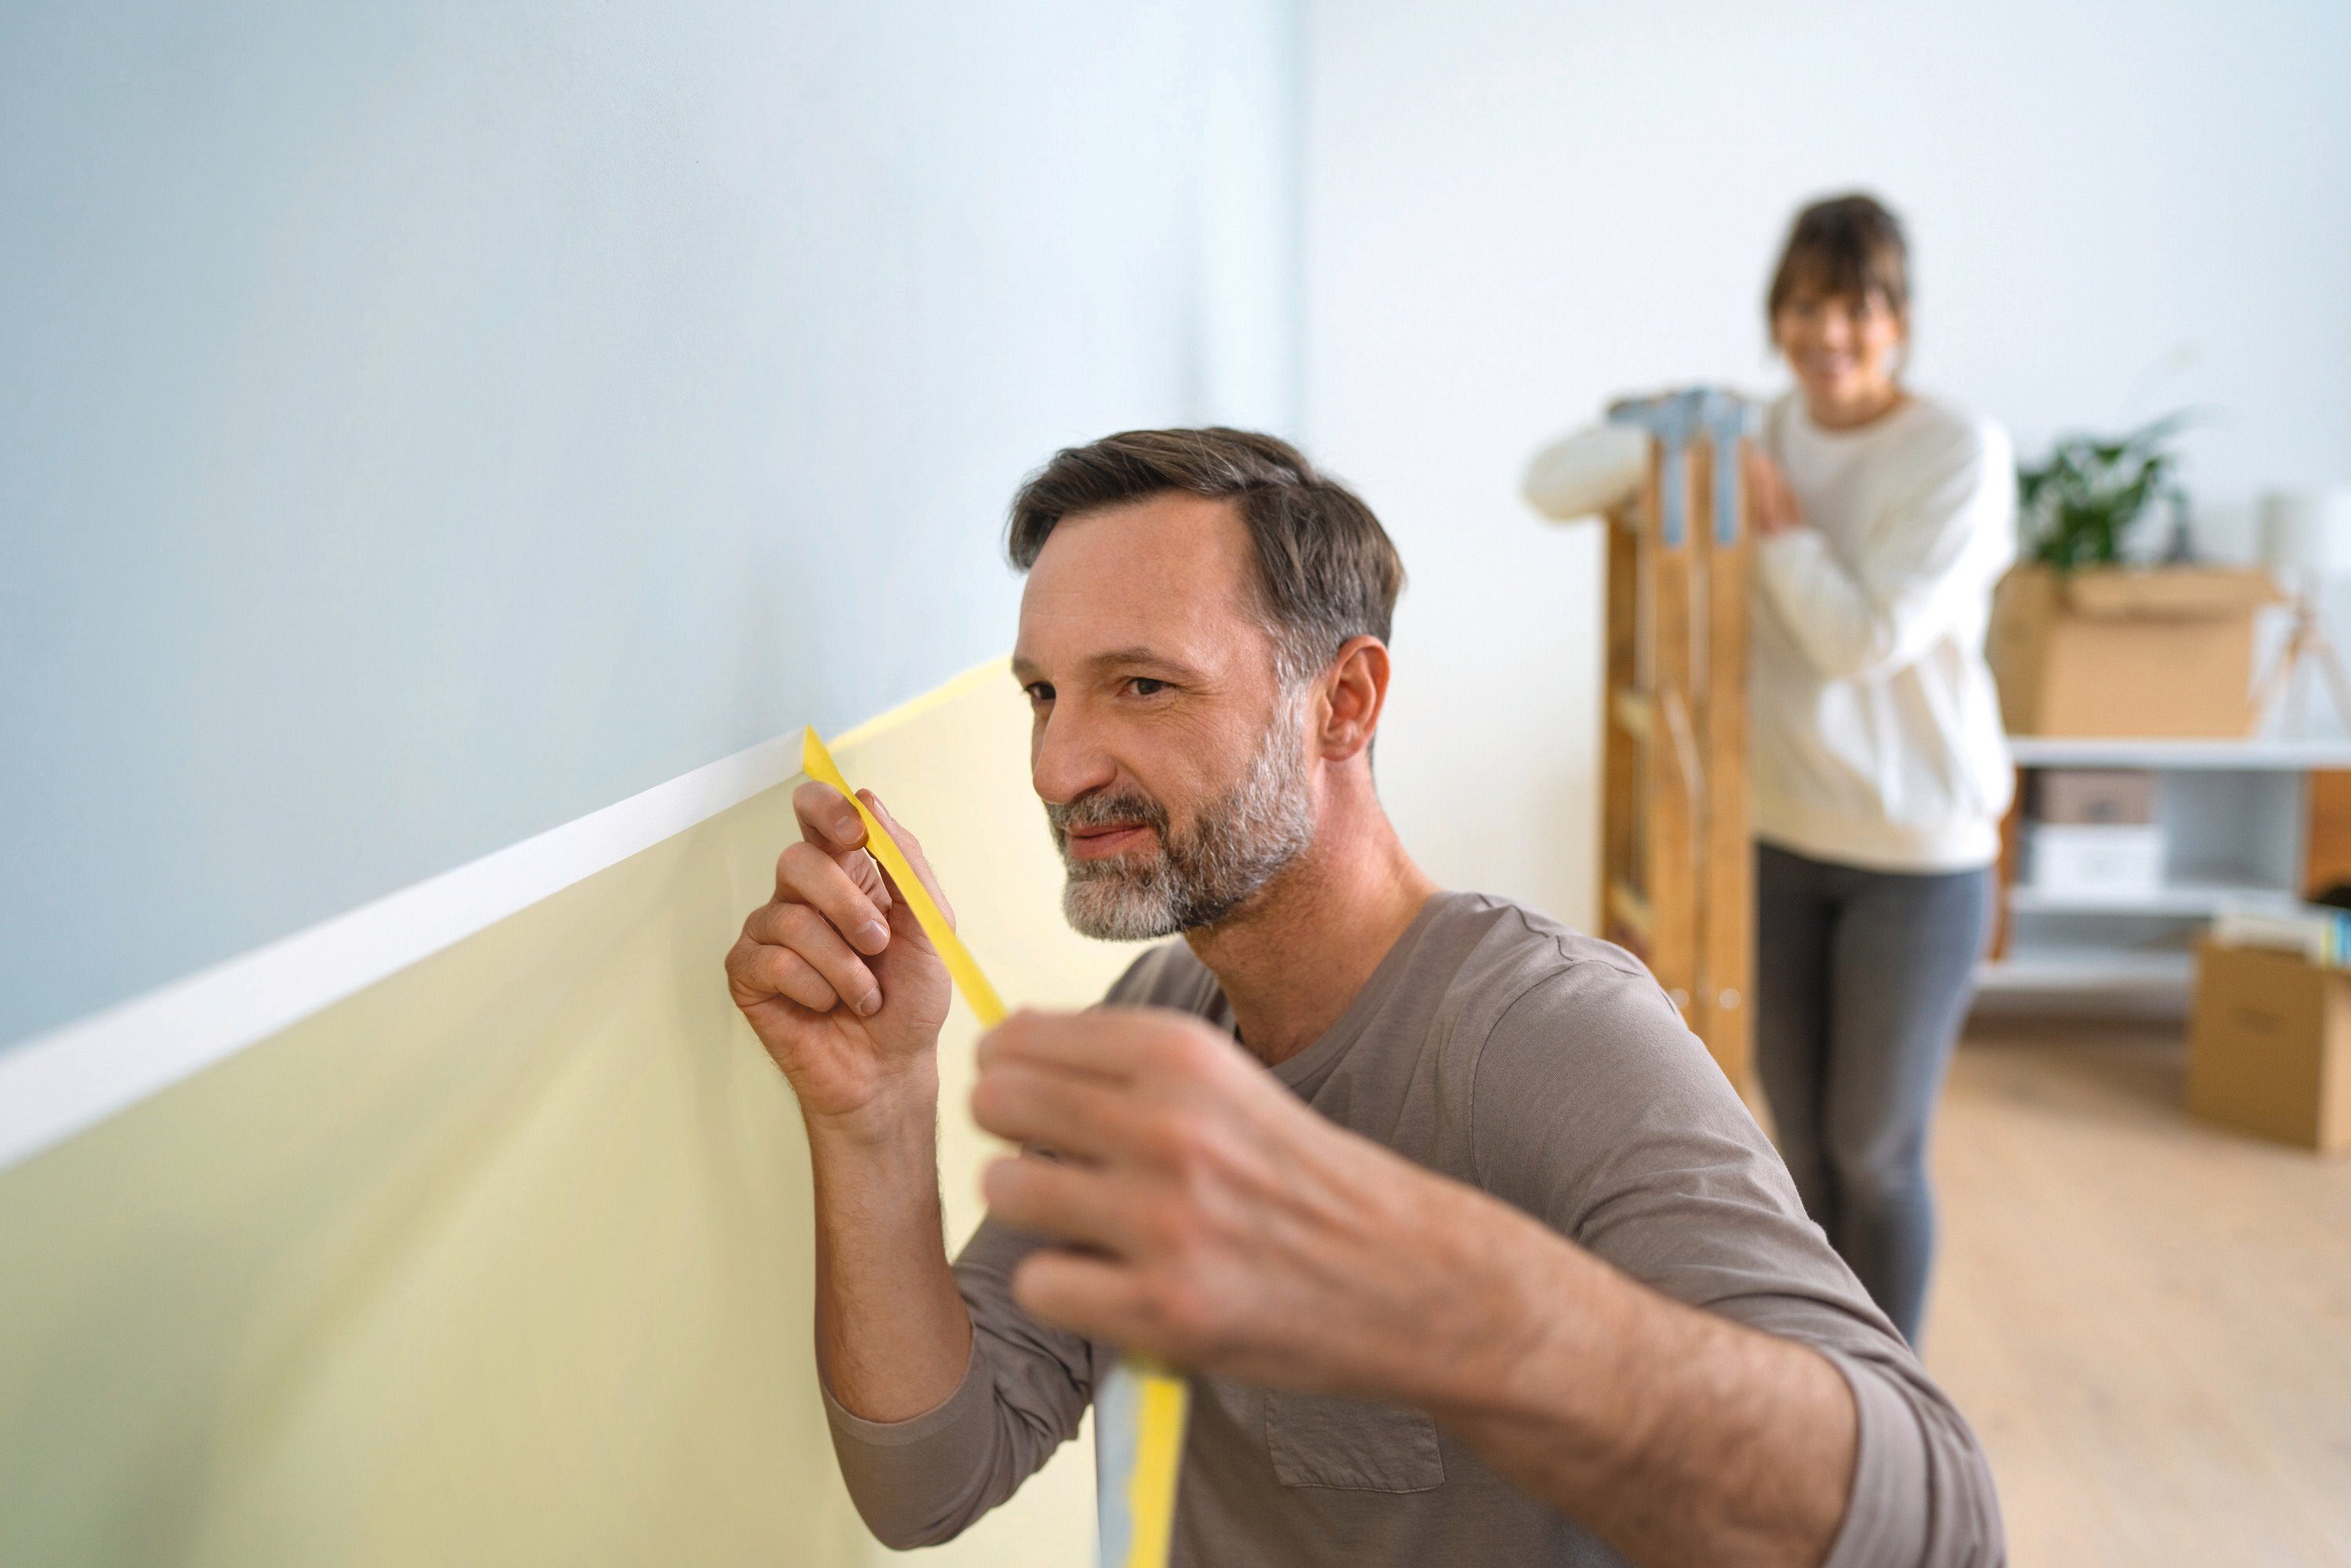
<point x="1145" y="687"/>
<point x="1040" y="692"/>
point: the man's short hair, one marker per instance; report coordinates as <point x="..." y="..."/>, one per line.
<point x="1326" y="570"/>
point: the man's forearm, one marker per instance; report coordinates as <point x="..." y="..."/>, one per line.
<point x="1681" y="1436"/>
<point x="893" y="1335"/>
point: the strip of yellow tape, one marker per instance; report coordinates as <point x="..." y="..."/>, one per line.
<point x="1158" y="1457"/>
<point x="1158" y="1447"/>
<point x="818" y="763"/>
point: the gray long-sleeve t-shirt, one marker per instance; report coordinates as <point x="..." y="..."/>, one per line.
<point x="1497" y="1046"/>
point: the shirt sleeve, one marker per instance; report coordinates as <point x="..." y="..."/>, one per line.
<point x="1588" y="472"/>
<point x="1880" y="602"/>
<point x="1594" y="1109"/>
<point x="923" y="1480"/>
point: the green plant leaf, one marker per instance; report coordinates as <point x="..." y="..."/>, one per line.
<point x="2079" y="506"/>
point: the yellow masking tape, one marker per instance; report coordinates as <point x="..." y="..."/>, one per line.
<point x="1159" y="1444"/>
<point x="818" y="763"/>
<point x="1158" y="1455"/>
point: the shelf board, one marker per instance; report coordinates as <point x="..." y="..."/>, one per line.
<point x="2252" y="756"/>
<point x="2087" y="970"/>
<point x="2186" y="899"/>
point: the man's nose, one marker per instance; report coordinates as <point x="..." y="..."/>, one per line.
<point x="1066" y="758"/>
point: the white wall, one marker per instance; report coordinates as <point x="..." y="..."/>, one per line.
<point x="422" y="424"/>
<point x="1516" y="209"/>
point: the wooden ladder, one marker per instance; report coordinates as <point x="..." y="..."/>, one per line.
<point x="1676" y="859"/>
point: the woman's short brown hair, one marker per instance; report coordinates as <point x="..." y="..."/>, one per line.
<point x="1848" y="245"/>
<point x="1326" y="570"/>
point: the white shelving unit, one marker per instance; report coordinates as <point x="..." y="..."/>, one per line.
<point x="2181" y="756"/>
<point x="2089" y="972"/>
<point x="2233" y="813"/>
<point x="2189" y="900"/>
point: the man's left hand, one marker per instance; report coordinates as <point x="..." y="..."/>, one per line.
<point x="1204" y="1215"/>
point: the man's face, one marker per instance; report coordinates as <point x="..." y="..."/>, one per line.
<point x="1171" y="762"/>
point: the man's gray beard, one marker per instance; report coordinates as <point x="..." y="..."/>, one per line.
<point x="1242" y="841"/>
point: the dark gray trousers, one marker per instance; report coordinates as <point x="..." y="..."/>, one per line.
<point x="1862" y="981"/>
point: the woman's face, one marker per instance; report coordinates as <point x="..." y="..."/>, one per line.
<point x="1845" y="349"/>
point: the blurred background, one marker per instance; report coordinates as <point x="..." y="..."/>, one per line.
<point x="424" y="426"/>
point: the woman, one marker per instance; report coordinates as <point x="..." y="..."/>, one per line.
<point x="1880" y="770"/>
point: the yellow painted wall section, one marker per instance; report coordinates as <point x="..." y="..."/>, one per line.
<point x="506" y="1258"/>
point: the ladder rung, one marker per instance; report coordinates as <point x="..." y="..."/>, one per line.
<point x="1630" y="910"/>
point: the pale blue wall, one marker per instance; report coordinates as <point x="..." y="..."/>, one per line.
<point x="422" y="424"/>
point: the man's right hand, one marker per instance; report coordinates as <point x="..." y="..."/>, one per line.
<point x="848" y="995"/>
<point x="835" y="974"/>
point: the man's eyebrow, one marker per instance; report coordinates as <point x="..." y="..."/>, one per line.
<point x="1146" y="659"/>
<point x="1134" y="658"/>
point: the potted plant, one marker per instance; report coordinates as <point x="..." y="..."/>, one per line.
<point x="2079" y="508"/>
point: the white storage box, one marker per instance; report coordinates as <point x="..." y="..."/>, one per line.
<point x="2094" y="860"/>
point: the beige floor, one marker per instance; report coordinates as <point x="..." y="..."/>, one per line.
<point x="2147" y="1320"/>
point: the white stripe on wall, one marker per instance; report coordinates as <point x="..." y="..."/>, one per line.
<point x="57" y="1084"/>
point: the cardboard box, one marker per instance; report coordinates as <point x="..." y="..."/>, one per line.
<point x="2269" y="1046"/>
<point x="2127" y="651"/>
<point x="2094" y="860"/>
<point x="2082" y="795"/>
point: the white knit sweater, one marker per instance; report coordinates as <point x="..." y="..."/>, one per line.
<point x="1877" y="730"/>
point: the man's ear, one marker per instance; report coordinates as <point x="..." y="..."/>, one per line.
<point x="1354" y="691"/>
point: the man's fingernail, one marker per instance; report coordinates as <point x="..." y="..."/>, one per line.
<point x="873" y="935"/>
<point x="871" y="1005"/>
<point x="848" y="831"/>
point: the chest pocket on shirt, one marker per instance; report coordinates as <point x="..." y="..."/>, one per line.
<point x="1317" y="1440"/>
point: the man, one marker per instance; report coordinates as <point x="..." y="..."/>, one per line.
<point x="1473" y="1254"/>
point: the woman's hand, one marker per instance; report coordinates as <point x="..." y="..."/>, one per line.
<point x="1771" y="504"/>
